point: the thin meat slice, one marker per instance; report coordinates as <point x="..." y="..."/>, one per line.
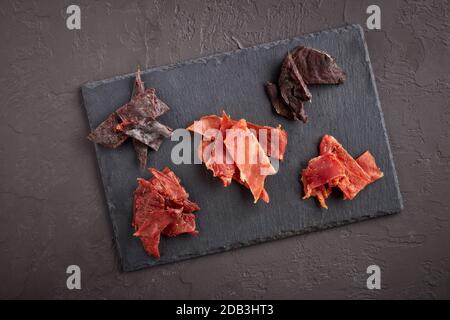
<point x="253" y="164"/>
<point x="358" y="179"/>
<point x="275" y="99"/>
<point x="216" y="161"/>
<point x="106" y="133"/>
<point x="320" y="175"/>
<point x="293" y="89"/>
<point x="273" y="140"/>
<point x="317" y="67"/>
<point x="207" y="126"/>
<point x="262" y="141"/>
<point x="336" y="168"/>
<point x="264" y="195"/>
<point x="368" y="164"/>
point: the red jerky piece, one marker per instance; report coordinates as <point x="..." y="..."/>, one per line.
<point x="368" y="164"/>
<point x="357" y="178"/>
<point x="161" y="206"/>
<point x="322" y="172"/>
<point x="336" y="168"/>
<point x="269" y="141"/>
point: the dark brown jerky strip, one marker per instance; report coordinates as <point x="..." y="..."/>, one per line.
<point x="149" y="132"/>
<point x="141" y="106"/>
<point x="291" y="82"/>
<point x="106" y="133"/>
<point x="277" y="102"/>
<point x="139" y="86"/>
<point x="317" y="67"/>
<point x="141" y="152"/>
<point x="293" y="89"/>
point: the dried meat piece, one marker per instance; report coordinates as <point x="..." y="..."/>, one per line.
<point x="293" y="89"/>
<point x="336" y="168"/>
<point x="183" y="224"/>
<point x="275" y="99"/>
<point x="317" y="67"/>
<point x="368" y="164"/>
<point x="150" y="231"/>
<point x="320" y="175"/>
<point x="207" y="126"/>
<point x="149" y="132"/>
<point x="264" y="195"/>
<point x="216" y="155"/>
<point x="358" y="179"/>
<point x="217" y="162"/>
<point x="106" y="133"/>
<point x="253" y="164"/>
<point x="143" y="106"/>
<point x="273" y="140"/>
<point x="161" y="206"/>
<point x="305" y="66"/>
<point x="142" y="152"/>
<point x="135" y="119"/>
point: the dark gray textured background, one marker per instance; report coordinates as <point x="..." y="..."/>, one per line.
<point x="53" y="211"/>
<point x="234" y="81"/>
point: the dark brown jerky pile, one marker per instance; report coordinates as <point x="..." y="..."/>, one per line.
<point x="136" y="120"/>
<point x="303" y="67"/>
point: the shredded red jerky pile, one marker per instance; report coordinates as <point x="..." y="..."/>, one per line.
<point x="335" y="167"/>
<point x="240" y="151"/>
<point x="161" y="206"/>
<point x="136" y="120"/>
<point x="303" y="67"/>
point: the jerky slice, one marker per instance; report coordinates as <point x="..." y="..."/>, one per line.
<point x="293" y="89"/>
<point x="149" y="132"/>
<point x="277" y="103"/>
<point x="106" y="133"/>
<point x="141" y="150"/>
<point x="161" y="206"/>
<point x="317" y="67"/>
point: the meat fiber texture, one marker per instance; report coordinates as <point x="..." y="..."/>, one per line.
<point x="240" y="151"/>
<point x="335" y="167"/>
<point x="161" y="206"/>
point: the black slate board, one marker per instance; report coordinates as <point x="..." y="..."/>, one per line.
<point x="234" y="82"/>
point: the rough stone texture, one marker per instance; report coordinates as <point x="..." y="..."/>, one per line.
<point x="53" y="211"/>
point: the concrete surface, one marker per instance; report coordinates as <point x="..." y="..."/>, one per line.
<point x="53" y="211"/>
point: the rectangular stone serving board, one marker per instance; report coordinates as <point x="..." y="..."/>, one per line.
<point x="234" y="82"/>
